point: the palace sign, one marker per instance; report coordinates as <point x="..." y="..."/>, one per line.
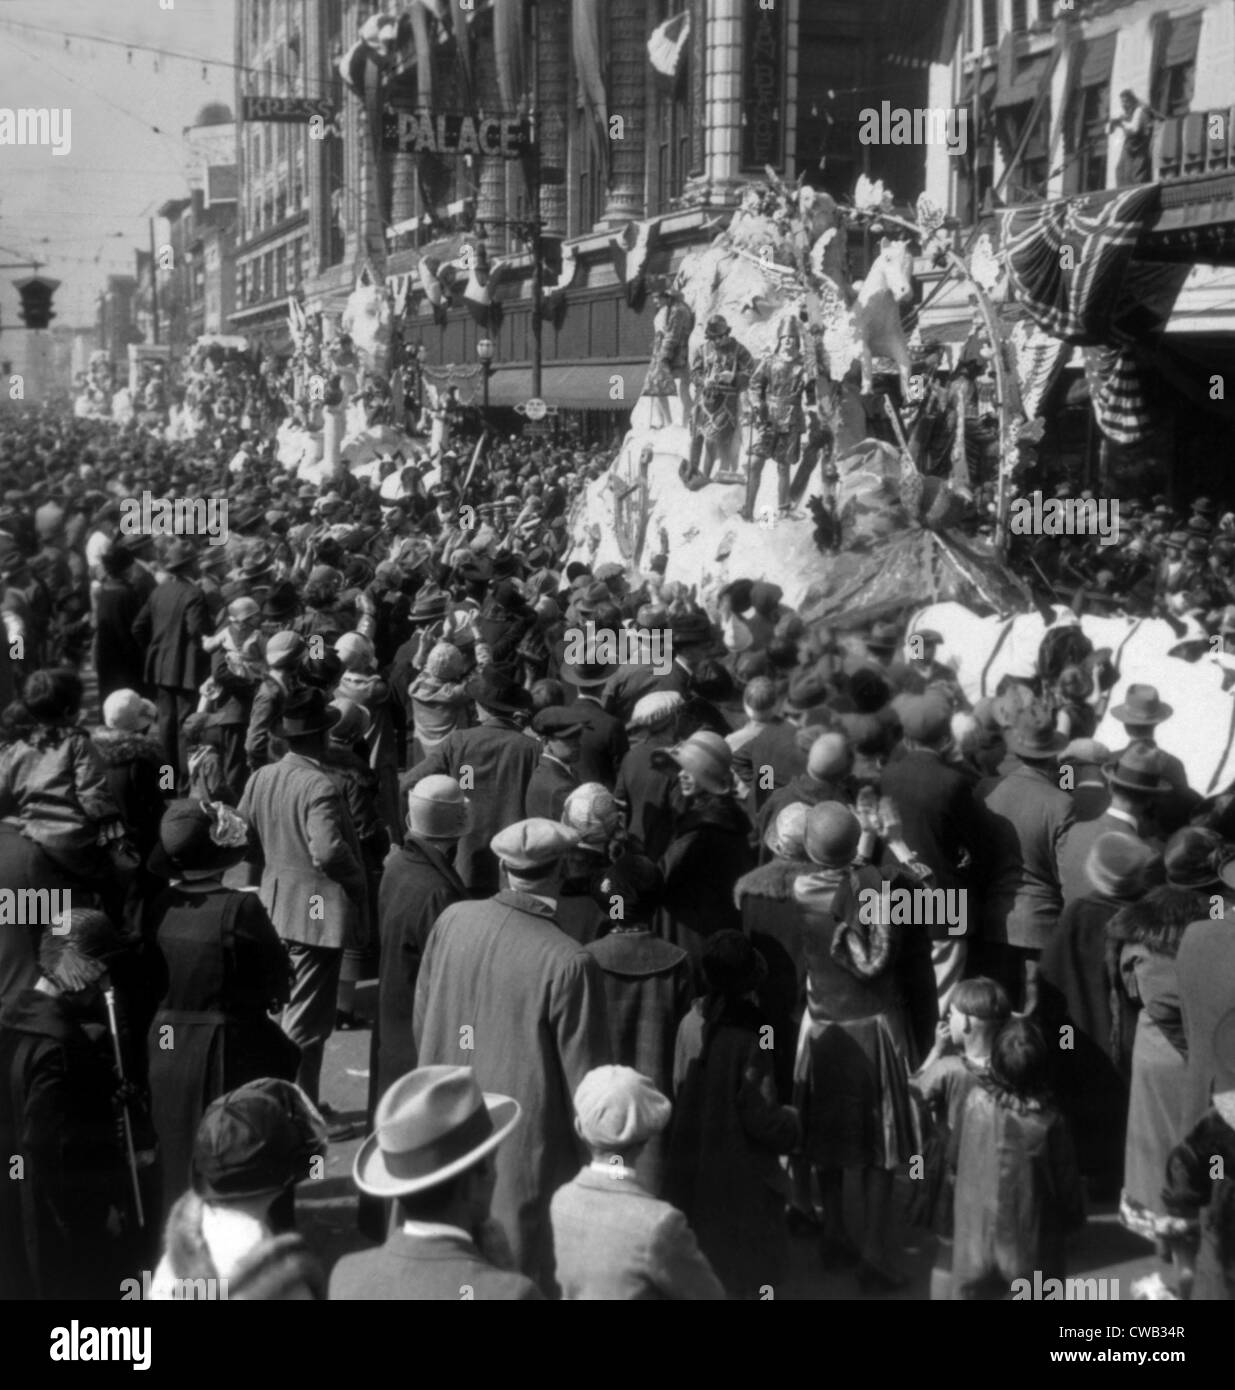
<point x="421" y="132"/>
<point x="293" y="110"/>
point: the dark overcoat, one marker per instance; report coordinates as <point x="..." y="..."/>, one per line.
<point x="501" y="989"/>
<point x="500" y="760"/>
<point x="170" y="628"/>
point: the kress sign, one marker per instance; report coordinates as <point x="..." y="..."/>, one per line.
<point x="422" y="132"/>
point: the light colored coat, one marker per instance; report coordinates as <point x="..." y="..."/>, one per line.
<point x="613" y="1240"/>
<point x="503" y="990"/>
<point x="313" y="883"/>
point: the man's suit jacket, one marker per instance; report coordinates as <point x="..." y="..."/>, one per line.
<point x="1026" y="816"/>
<point x="603" y="745"/>
<point x="313" y="882"/>
<point x="436" y="1268"/>
<point x="1075" y="851"/>
<point x="501" y="760"/>
<point x="170" y="628"/>
<point x="418" y="885"/>
<point x="504" y="990"/>
<point x="775" y="746"/>
<point x="547" y="790"/>
<point x="628" y="684"/>
<point x="939" y="816"/>
<point x="613" y="1240"/>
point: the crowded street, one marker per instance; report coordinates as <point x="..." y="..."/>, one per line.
<point x="618" y="663"/>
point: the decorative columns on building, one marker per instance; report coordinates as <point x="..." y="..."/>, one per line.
<point x="628" y="63"/>
<point x="722" y="107"/>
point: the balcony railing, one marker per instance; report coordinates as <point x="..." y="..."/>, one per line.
<point x="1201" y="142"/>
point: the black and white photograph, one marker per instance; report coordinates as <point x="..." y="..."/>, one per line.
<point x="618" y="661"/>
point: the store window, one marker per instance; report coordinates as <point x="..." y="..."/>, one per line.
<point x="1175" y="64"/>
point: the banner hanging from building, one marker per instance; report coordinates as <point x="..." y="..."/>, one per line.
<point x="763" y="83"/>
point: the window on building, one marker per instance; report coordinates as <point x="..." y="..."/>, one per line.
<point x="1020" y="16"/>
<point x="990" y="23"/>
<point x="669" y="125"/>
<point x="1026" y="179"/>
<point x="1085" y="131"/>
<point x="1046" y="11"/>
<point x="590" y="191"/>
<point x="1175" y="64"/>
<point x="280" y="271"/>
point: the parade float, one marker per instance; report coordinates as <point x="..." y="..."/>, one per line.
<point x="874" y="533"/>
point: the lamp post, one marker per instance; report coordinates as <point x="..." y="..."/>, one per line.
<point x="484" y="354"/>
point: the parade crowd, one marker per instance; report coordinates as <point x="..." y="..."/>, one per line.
<point x="665" y="950"/>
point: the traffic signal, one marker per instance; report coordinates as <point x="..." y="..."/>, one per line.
<point x="36" y="293"/>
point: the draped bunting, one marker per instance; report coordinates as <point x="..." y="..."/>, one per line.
<point x="1040" y="358"/>
<point x="1072" y="266"/>
<point x="586" y="20"/>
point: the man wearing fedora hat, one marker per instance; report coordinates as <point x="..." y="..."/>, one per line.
<point x="602" y="743"/>
<point x="313" y="880"/>
<point x="1135" y="783"/>
<point x="504" y="990"/>
<point x="1028" y="817"/>
<point x="1140" y="713"/>
<point x="433" y="1152"/>
<point x="493" y="762"/>
<point x="170" y="629"/>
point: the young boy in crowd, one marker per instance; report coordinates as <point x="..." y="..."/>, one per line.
<point x="959" y="1061"/>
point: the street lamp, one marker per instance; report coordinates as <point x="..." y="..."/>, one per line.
<point x="484" y="354"/>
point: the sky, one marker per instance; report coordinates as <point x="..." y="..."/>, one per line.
<point x="85" y="213"/>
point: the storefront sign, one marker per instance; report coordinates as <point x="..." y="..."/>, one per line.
<point x="421" y="132"/>
<point x="762" y="85"/>
<point x="291" y="110"/>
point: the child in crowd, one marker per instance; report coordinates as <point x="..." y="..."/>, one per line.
<point x="1018" y="1189"/>
<point x="207" y="780"/>
<point x="959" y="1061"/>
<point x="440" y="701"/>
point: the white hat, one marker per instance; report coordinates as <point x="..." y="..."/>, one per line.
<point x="618" y="1108"/>
<point x="126" y="710"/>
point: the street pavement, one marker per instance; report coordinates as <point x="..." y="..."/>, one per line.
<point x="327" y="1207"/>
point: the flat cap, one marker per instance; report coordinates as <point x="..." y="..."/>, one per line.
<point x="531" y="844"/>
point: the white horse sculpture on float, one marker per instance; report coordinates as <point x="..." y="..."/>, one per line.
<point x="876" y="313"/>
<point x="983" y="650"/>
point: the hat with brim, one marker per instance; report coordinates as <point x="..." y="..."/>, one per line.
<point x="493" y="691"/>
<point x="1142" y="706"/>
<point x="883" y="637"/>
<point x="589" y="675"/>
<point x="1137" y="771"/>
<point x="178" y="556"/>
<point x="431" y="1125"/>
<point x="1118" y="865"/>
<point x="307" y="713"/>
<point x="706" y="756"/>
<point x="1033" y="736"/>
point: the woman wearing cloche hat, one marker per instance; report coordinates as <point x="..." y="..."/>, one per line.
<point x="710" y="849"/>
<point x="225" y="970"/>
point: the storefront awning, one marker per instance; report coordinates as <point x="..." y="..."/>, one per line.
<point x="1024" y="82"/>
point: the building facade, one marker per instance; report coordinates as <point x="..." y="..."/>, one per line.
<point x="274" y="58"/>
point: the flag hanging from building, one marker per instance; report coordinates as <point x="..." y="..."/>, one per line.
<point x="667" y="46"/>
<point x="629" y="250"/>
<point x="585" y="40"/>
<point x="1073" y="266"/>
